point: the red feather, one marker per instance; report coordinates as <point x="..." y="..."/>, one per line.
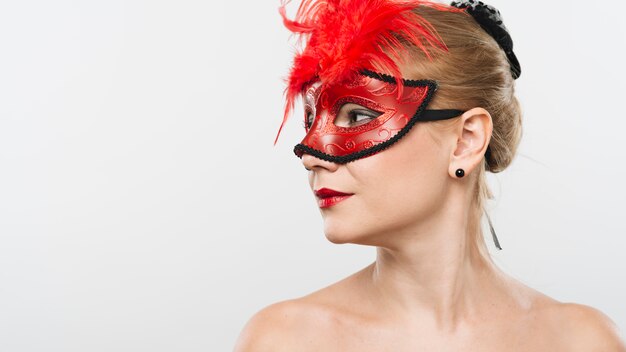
<point x="345" y="36"/>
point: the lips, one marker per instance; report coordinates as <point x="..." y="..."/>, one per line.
<point x="327" y="193"/>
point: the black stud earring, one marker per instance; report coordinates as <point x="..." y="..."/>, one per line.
<point x="460" y="173"/>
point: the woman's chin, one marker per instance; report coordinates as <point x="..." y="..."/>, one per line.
<point x="338" y="239"/>
<point x="345" y="233"/>
<point x="339" y="233"/>
<point x="351" y="237"/>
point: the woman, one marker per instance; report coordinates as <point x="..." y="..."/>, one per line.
<point x="407" y="105"/>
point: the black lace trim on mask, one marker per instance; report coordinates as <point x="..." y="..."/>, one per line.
<point x="427" y="115"/>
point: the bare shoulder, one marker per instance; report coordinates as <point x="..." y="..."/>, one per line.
<point x="283" y="326"/>
<point x="593" y="329"/>
<point x="585" y="328"/>
<point x="566" y="326"/>
<point x="303" y="323"/>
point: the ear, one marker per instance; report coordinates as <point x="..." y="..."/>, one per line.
<point x="473" y="136"/>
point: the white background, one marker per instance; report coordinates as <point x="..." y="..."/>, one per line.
<point x="143" y="206"/>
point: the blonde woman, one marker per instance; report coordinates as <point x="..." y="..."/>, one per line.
<point x="407" y="106"/>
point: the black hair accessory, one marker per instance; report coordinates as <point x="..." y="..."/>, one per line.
<point x="490" y="20"/>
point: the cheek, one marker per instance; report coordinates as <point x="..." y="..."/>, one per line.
<point x="406" y="182"/>
<point x="396" y="188"/>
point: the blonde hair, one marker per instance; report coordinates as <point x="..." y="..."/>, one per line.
<point x="474" y="72"/>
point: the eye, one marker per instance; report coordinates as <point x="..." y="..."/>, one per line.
<point x="351" y="115"/>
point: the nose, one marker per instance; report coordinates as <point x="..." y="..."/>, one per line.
<point x="311" y="162"/>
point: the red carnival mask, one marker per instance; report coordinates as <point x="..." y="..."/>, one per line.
<point x="333" y="133"/>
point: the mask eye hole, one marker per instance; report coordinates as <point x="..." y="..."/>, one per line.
<point x="308" y="119"/>
<point x="352" y="115"/>
<point x="309" y="109"/>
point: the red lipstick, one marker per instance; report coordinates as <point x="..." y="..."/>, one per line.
<point x="327" y="197"/>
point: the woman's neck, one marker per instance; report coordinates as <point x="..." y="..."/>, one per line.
<point x="434" y="273"/>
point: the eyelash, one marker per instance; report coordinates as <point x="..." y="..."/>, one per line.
<point x="354" y="113"/>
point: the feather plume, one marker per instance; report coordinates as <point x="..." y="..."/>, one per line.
<point x="345" y="36"/>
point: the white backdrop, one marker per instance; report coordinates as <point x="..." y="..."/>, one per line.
<point x="143" y="206"/>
